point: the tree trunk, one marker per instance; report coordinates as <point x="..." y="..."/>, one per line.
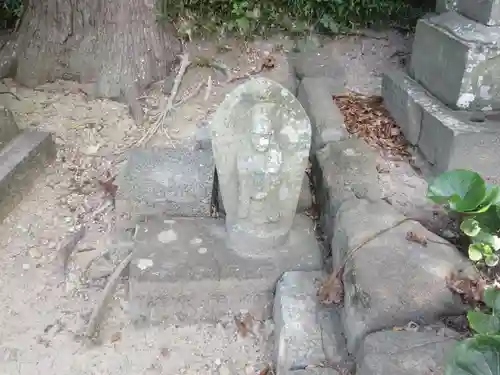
<point x="116" y="46"/>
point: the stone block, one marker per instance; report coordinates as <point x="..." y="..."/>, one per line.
<point x="402" y="102"/>
<point x="175" y="181"/>
<point x="314" y="371"/>
<point x="21" y="161"/>
<point x="183" y="270"/>
<point x="318" y="62"/>
<point x="390" y="280"/>
<point x="486" y="12"/>
<point x="344" y="170"/>
<point x="404" y="353"/>
<point x="445" y="5"/>
<point x="283" y="73"/>
<point x="8" y="126"/>
<point x="327" y="121"/>
<point x="447" y="138"/>
<point x="455" y="59"/>
<point x="300" y="324"/>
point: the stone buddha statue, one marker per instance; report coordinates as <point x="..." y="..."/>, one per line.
<point x="261" y="140"/>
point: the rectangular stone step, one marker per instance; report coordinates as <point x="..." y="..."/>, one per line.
<point x="486" y="12"/>
<point x="307" y="334"/>
<point x="184" y="272"/>
<point x="21" y="162"/>
<point x="447" y="138"/>
<point x="404" y="353"/>
<point x="174" y="181"/>
<point x="8" y="126"/>
<point x="456" y="59"/>
<point x="390" y="280"/>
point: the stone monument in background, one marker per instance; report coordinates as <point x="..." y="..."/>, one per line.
<point x="261" y="138"/>
<point x="448" y="101"/>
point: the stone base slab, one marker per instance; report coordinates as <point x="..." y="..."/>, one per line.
<point x="183" y="270"/>
<point x="456" y="59"/>
<point x="21" y="161"/>
<point x="174" y="181"/>
<point x="404" y="353"/>
<point x="446" y="138"/>
<point x="486" y="12"/>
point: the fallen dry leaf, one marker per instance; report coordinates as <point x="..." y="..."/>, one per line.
<point x="109" y="187"/>
<point x="417" y="238"/>
<point x="366" y="117"/>
<point x="267" y="370"/>
<point x="332" y="289"/>
<point x="244" y="324"/>
<point x="117" y="336"/>
<point x="471" y="290"/>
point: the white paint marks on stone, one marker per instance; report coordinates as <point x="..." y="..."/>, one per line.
<point x="167" y="236"/>
<point x="144" y="263"/>
<point x="350" y="152"/>
<point x="283" y="193"/>
<point x="196" y="241"/>
<point x="465" y="100"/>
<point x="202" y="250"/>
<point x="169" y="221"/>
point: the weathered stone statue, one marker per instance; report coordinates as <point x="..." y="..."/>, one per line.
<point x="261" y="139"/>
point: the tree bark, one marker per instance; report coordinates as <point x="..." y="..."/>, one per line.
<point x="115" y="46"/>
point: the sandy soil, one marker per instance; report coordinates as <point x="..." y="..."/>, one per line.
<point x="43" y="314"/>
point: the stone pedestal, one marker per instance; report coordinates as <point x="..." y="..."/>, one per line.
<point x="446" y="103"/>
<point x="183" y="271"/>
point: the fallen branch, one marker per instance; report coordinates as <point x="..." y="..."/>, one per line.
<point x="160" y="121"/>
<point x="98" y="313"/>
<point x="67" y="246"/>
<point x="332" y="289"/>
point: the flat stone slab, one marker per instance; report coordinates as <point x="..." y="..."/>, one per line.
<point x="175" y="181"/>
<point x="447" y="138"/>
<point x="183" y="271"/>
<point x="317" y="62"/>
<point x="344" y="170"/>
<point x="327" y="121"/>
<point x="391" y="280"/>
<point x="456" y="59"/>
<point x="8" y="126"/>
<point x="404" y="353"/>
<point x="306" y="333"/>
<point x="21" y="161"/>
<point x="486" y="12"/>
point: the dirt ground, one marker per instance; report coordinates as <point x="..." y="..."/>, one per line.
<point x="42" y="314"/>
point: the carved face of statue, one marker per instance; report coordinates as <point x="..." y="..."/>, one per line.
<point x="261" y="136"/>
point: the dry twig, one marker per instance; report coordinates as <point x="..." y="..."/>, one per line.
<point x="332" y="289"/>
<point x="98" y="313"/>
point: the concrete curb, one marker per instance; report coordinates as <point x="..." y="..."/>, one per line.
<point x="21" y="162"/>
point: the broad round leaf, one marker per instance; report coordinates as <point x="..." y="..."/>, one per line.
<point x="461" y="189"/>
<point x="492" y="298"/>
<point x="479" y="355"/>
<point x="475" y="252"/>
<point x="470" y="227"/>
<point x="491" y="260"/>
<point x="489" y="221"/>
<point x="487" y="239"/>
<point x="482" y="323"/>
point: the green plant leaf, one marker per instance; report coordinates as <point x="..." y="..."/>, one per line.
<point x="475" y="252"/>
<point x="492" y="298"/>
<point x="491" y="260"/>
<point x="482" y="323"/>
<point x="486" y="238"/>
<point x="470" y="227"/>
<point x="461" y="190"/>
<point x="489" y="221"/>
<point x="479" y="355"/>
